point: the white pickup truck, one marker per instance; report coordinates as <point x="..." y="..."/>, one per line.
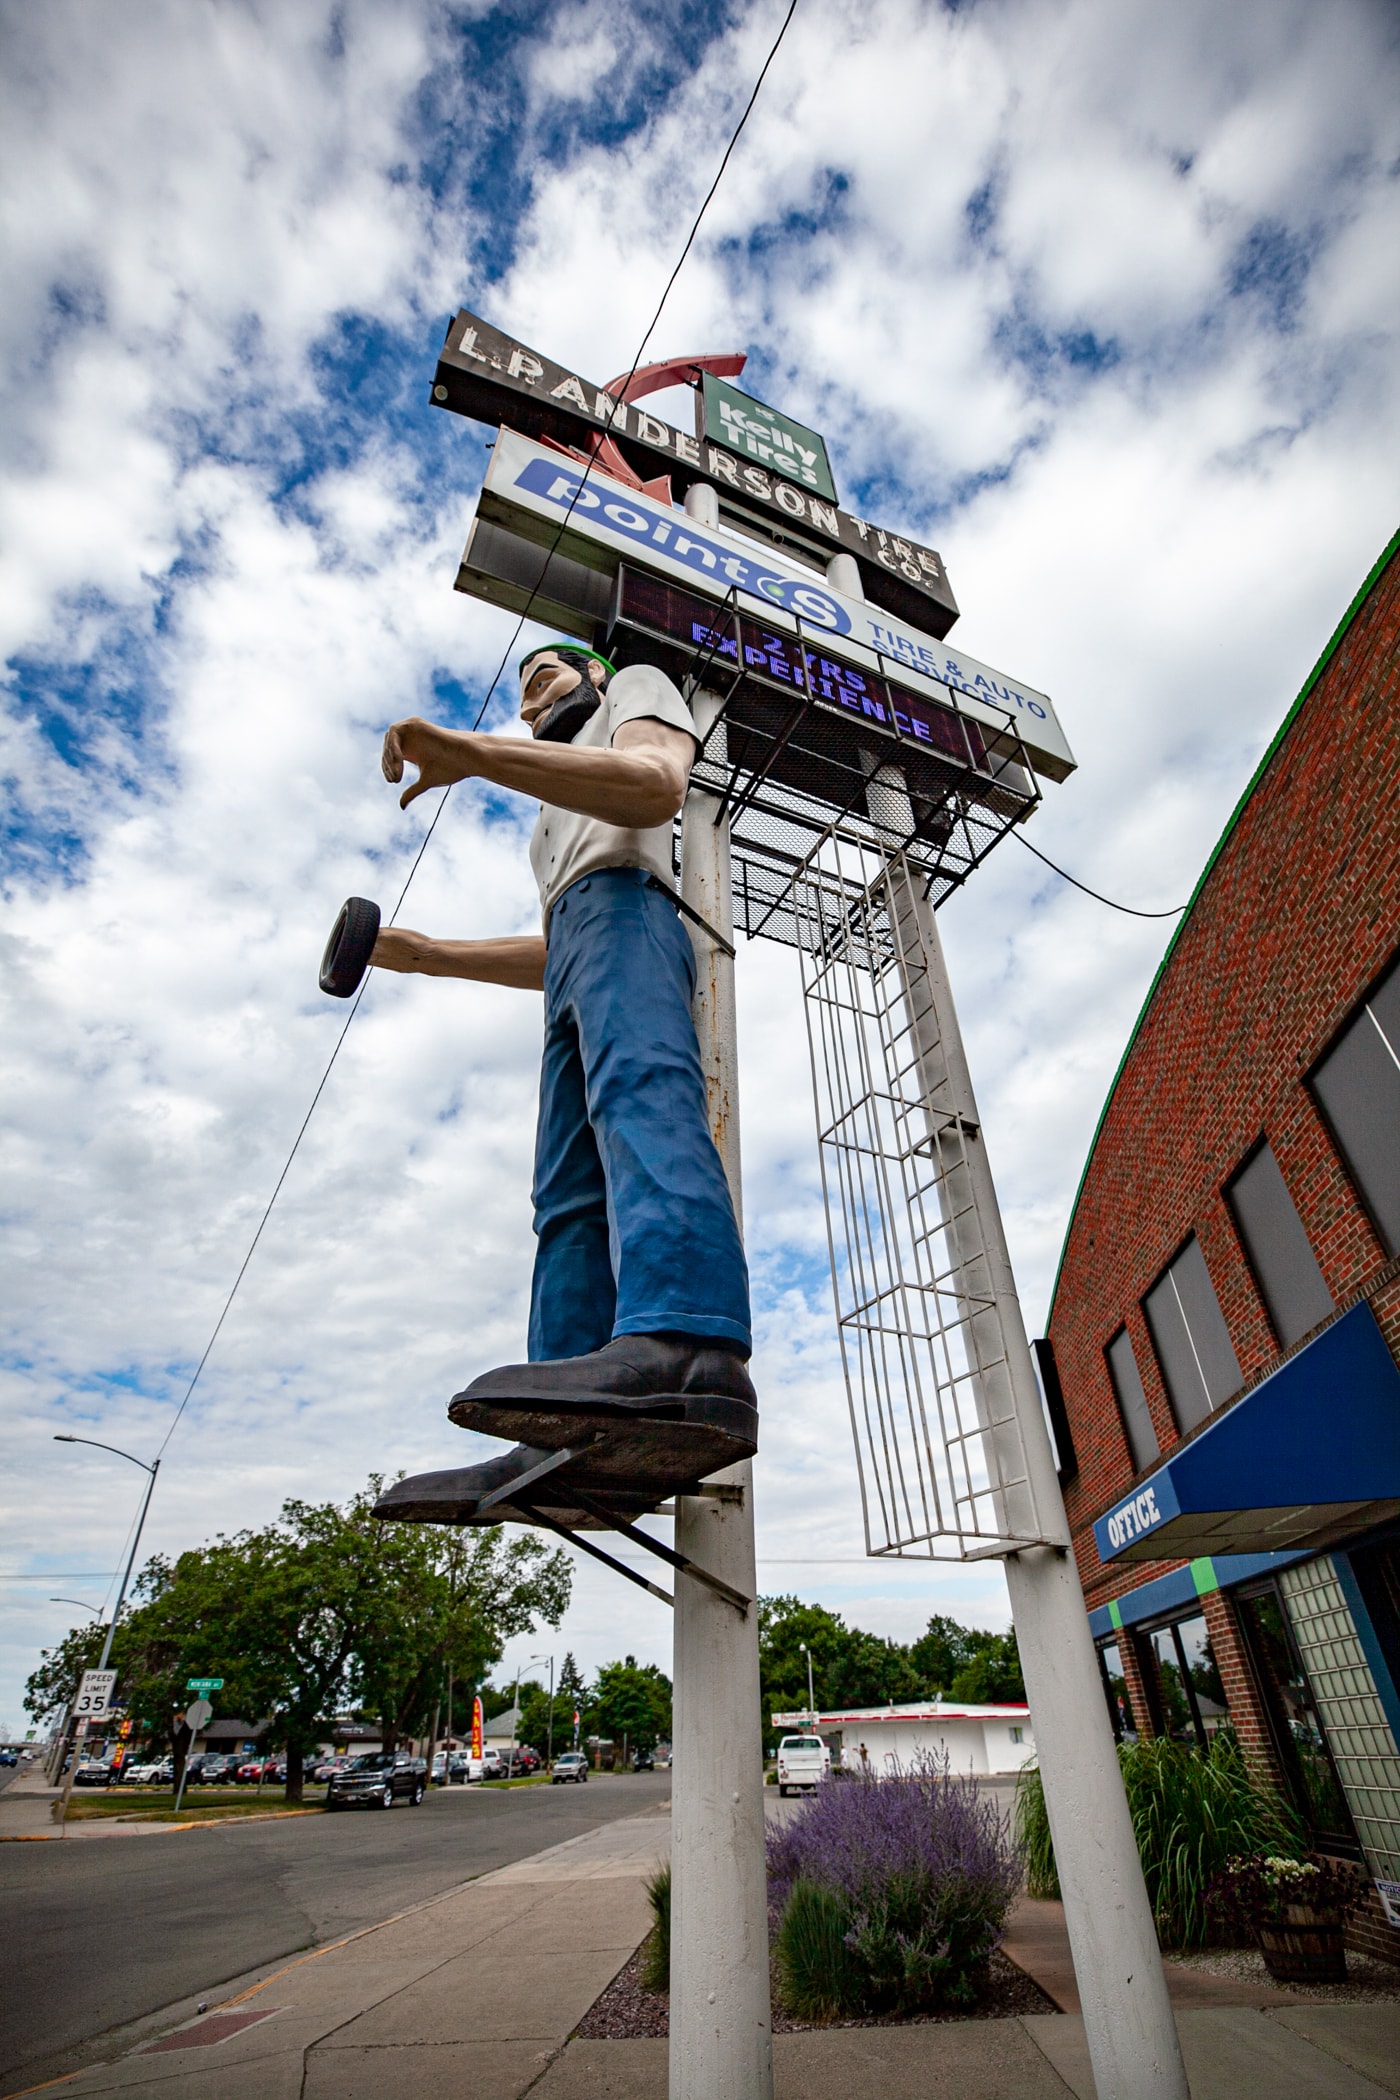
<point x="803" y="1761"/>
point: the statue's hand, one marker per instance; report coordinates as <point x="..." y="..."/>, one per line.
<point x="441" y="756"/>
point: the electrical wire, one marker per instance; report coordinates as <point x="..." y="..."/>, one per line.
<point x="500" y="670"/>
<point x="1131" y="909"/>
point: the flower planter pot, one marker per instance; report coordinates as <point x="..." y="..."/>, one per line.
<point x="1304" y="1948"/>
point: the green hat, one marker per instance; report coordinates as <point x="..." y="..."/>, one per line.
<point x="577" y="648"/>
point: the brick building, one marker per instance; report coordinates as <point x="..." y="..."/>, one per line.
<point x="1225" y="1326"/>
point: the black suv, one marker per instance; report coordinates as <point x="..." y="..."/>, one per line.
<point x="377" y="1780"/>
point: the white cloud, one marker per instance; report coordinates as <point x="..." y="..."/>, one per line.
<point x="198" y="207"/>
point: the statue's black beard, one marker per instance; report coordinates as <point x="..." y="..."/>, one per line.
<point x="569" y="713"/>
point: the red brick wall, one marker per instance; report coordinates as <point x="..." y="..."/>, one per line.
<point x="1297" y="917"/>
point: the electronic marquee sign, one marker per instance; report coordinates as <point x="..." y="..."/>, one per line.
<point x="491" y="378"/>
<point x="546" y="538"/>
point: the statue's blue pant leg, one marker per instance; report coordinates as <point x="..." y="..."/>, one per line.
<point x="635" y="1225"/>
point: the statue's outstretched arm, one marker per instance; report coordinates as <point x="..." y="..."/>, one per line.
<point x="516" y="959"/>
<point x="637" y="783"/>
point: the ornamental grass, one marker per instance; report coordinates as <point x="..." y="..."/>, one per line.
<point x="1192" y="1814"/>
<point x="889" y="1894"/>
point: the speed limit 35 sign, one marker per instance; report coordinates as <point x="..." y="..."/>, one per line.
<point x="94" y="1700"/>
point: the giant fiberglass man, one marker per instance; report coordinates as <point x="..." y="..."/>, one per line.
<point x="639" y="1308"/>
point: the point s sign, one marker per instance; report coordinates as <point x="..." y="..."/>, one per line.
<point x="674" y="535"/>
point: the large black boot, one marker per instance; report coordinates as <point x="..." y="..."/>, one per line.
<point x="664" y="1408"/>
<point x="456" y="1496"/>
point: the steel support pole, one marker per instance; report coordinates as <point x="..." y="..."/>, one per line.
<point x="721" y="2034"/>
<point x="1128" y="2022"/>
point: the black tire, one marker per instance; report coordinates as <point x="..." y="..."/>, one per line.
<point x="349" y="948"/>
<point x="386" y="1798"/>
<point x="418" y="1792"/>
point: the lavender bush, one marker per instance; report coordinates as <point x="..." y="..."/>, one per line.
<point x="889" y="1894"/>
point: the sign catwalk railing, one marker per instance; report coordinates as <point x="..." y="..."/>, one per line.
<point x="922" y="1323"/>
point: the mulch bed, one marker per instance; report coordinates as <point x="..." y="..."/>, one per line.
<point x="627" y="2012"/>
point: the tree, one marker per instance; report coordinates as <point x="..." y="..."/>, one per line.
<point x="784" y="1623"/>
<point x="991" y="1676"/>
<point x="631" y="1702"/>
<point x="939" y="1654"/>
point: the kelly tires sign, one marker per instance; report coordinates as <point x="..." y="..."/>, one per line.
<point x="756" y="432"/>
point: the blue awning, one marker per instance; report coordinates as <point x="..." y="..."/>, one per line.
<point x="1309" y="1457"/>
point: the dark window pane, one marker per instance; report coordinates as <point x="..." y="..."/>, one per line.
<point x="1358" y="1085"/>
<point x="1193" y="1343"/>
<point x="1212" y="1709"/>
<point x="1278" y="1248"/>
<point x="1120" y="1708"/>
<point x="1132" y="1400"/>
<point x="1177" y="1719"/>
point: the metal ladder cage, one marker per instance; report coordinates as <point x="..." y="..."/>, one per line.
<point x="924" y="1342"/>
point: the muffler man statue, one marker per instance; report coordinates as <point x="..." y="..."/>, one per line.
<point x="636" y="1384"/>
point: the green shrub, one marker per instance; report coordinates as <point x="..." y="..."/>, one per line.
<point x="1191" y="1815"/>
<point x="816" y="1976"/>
<point x="1033" y="1835"/>
<point x="656" y="1956"/>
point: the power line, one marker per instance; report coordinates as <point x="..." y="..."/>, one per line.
<point x="519" y="625"/>
<point x="1131" y="909"/>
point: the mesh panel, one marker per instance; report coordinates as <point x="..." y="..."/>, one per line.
<point x="924" y="1346"/>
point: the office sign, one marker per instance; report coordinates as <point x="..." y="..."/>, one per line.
<point x="530" y="493"/>
<point x="491" y="378"/>
<point x="757" y="432"/>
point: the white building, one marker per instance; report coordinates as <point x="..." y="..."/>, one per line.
<point x="972" y="1738"/>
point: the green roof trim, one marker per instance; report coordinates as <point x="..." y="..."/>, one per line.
<point x="1338" y="636"/>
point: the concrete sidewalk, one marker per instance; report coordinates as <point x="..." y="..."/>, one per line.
<point x="479" y="1990"/>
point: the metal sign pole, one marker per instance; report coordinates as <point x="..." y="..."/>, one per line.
<point x="721" y="2031"/>
<point x="1128" y="2021"/>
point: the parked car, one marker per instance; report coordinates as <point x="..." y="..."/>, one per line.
<point x="803" y="1761"/>
<point x="378" y="1779"/>
<point x="569" y="1766"/>
<point x="320" y="1773"/>
<point x="464" y="1768"/>
<point x="9" y="1757"/>
<point x="217" y="1768"/>
<point x="93" y="1771"/>
<point x="491" y="1764"/>
<point x="517" y="1763"/>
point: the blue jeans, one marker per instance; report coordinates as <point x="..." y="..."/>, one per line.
<point x="636" y="1230"/>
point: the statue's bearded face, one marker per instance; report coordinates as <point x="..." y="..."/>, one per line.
<point x="546" y="679"/>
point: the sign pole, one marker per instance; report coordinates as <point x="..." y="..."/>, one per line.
<point x="721" y="2022"/>
<point x="1128" y="2022"/>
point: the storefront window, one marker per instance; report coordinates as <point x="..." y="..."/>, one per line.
<point x="1191" y="1698"/>
<point x="1293" y="1718"/>
<point x="1115" y="1685"/>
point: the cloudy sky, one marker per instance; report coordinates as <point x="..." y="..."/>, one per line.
<point x="1097" y="297"/>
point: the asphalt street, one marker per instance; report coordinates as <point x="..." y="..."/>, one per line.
<point x="100" y="1931"/>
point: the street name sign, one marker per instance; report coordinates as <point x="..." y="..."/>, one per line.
<point x="204" y="1684"/>
<point x="94" y="1700"/>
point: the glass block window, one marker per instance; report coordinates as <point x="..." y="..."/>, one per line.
<point x="1357" y="1086"/>
<point x="1358" y="1734"/>
<point x="1132" y="1400"/>
<point x="1192" y="1341"/>
<point x="1280" y="1252"/>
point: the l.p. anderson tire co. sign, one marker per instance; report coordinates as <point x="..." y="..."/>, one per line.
<point x="492" y="378"/>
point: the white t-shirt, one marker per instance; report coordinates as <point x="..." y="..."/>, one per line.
<point x="565" y="845"/>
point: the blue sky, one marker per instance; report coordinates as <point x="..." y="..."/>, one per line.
<point x="1099" y="299"/>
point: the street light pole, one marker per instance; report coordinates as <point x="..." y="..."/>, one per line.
<point x="811" y="1695"/>
<point x="60" y="1807"/>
